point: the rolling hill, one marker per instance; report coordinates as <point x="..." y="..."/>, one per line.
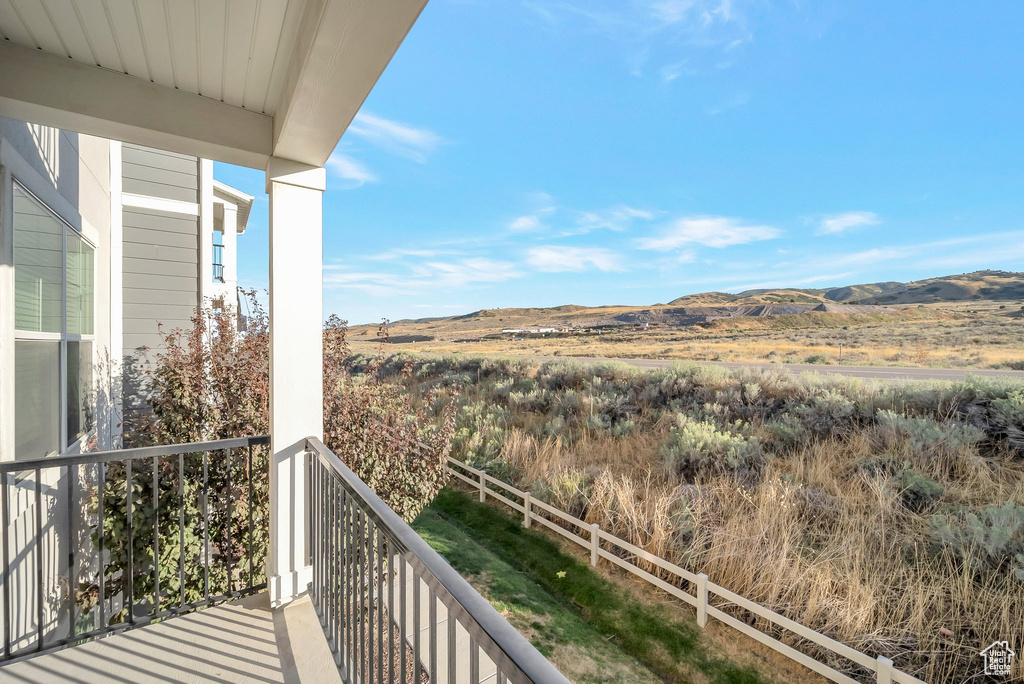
<point x="695" y="309"/>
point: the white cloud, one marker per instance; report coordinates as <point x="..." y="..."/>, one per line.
<point x="617" y="218"/>
<point x="393" y="254"/>
<point x="788" y="281"/>
<point x="396" y="137"/>
<point x="671" y="72"/>
<point x="986" y="250"/>
<point x="421" y="279"/>
<point x="709" y="231"/>
<point x="671" y="33"/>
<point x="525" y="224"/>
<point x="541" y="203"/>
<point x="671" y="11"/>
<point x="687" y="256"/>
<point x="558" y="259"/>
<point x="736" y="101"/>
<point x="347" y="168"/>
<point x="474" y="270"/>
<point x="837" y="223"/>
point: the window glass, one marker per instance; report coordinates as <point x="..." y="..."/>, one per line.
<point x="36" y="398"/>
<point x="38" y="266"/>
<point x="80" y="394"/>
<point x="81" y="283"/>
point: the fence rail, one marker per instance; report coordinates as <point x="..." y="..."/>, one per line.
<point x="704" y="592"/>
<point x="103" y="542"/>
<point x="391" y="608"/>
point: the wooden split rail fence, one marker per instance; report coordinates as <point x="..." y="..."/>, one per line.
<point x="709" y="599"/>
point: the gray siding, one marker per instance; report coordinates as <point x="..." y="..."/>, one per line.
<point x="160" y="249"/>
<point x="156" y="173"/>
<point x="160" y="274"/>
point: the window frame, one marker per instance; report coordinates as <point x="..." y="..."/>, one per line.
<point x="63" y="337"/>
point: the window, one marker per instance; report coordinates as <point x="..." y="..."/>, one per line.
<point x="218" y="256"/>
<point x="54" y="294"/>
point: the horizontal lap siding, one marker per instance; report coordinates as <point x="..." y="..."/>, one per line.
<point x="159" y="174"/>
<point x="161" y="249"/>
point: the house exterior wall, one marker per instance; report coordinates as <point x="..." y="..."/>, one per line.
<point x="161" y="252"/>
<point x="155" y="173"/>
<point x="70" y="174"/>
<point x="160" y="275"/>
<point x="139" y="208"/>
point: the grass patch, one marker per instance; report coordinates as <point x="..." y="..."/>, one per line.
<point x="562" y="603"/>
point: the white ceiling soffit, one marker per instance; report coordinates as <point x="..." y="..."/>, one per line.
<point x="233" y="80"/>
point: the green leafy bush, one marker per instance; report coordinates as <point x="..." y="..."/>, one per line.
<point x="211" y="382"/>
<point x="827" y="413"/>
<point x="919" y="492"/>
<point x="698" y="447"/>
<point x="786" y="432"/>
<point x="567" y="489"/>
<point x="991" y="539"/>
<point x="1008" y="416"/>
<point x="924" y="435"/>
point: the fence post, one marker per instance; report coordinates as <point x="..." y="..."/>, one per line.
<point x="702" y="600"/>
<point x="595" y="544"/>
<point x="526" y="510"/>
<point x="483" y="487"/>
<point x="883" y="670"/>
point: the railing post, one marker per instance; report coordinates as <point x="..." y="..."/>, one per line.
<point x="702" y="600"/>
<point x="483" y="487"/>
<point x="595" y="544"/>
<point x="527" y="499"/>
<point x="883" y="671"/>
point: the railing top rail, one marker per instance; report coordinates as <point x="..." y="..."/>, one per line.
<point x="128" y="454"/>
<point x="513" y="644"/>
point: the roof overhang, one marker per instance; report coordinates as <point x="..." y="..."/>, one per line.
<point x="242" y="202"/>
<point x="279" y="78"/>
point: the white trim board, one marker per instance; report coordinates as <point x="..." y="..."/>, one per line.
<point x="159" y="204"/>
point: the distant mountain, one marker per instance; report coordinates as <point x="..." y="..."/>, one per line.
<point x="958" y="288"/>
<point x="708" y="306"/>
<point x="952" y="288"/>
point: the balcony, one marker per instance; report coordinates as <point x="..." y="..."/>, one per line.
<point x="218" y="263"/>
<point x="82" y="599"/>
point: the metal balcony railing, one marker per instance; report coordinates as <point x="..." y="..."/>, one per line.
<point x="102" y="542"/>
<point x="99" y="543"/>
<point x="218" y="263"/>
<point x="390" y="606"/>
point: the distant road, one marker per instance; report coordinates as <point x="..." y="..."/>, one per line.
<point x="874" y="372"/>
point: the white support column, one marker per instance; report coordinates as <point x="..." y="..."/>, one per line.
<point x="230" y="247"/>
<point x="206" y="230"/>
<point x="296" y="365"/>
<point x="116" y="360"/>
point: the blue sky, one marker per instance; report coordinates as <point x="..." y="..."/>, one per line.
<point x="530" y="153"/>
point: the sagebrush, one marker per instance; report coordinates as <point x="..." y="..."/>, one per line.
<point x="888" y="515"/>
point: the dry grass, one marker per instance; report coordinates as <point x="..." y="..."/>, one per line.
<point x="958" y="335"/>
<point x="831" y="552"/>
<point x="845" y="505"/>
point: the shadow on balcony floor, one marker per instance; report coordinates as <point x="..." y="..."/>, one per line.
<point x="241" y="641"/>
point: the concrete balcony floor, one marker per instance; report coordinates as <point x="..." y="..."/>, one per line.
<point x="240" y="641"/>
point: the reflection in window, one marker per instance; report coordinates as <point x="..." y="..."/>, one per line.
<point x="38" y="266"/>
<point x="80" y="392"/>
<point x="54" y="314"/>
<point x="81" y="285"/>
<point x="36" y="398"/>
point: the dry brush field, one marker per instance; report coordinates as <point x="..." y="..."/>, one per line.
<point x="948" y="335"/>
<point x="889" y="516"/>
